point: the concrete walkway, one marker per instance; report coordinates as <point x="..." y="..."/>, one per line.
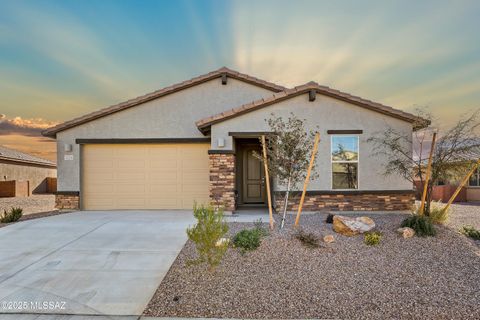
<point x="87" y="263"/>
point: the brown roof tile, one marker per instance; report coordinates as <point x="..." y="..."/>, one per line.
<point x="51" y="132"/>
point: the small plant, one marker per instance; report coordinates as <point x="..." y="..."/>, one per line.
<point x="471" y="232"/>
<point x="372" y="238"/>
<point x="11" y="216"/>
<point x="248" y="239"/>
<point x="437" y="214"/>
<point x="422" y="225"/>
<point x="258" y="224"/>
<point x="308" y="239"/>
<point x="329" y="218"/>
<point x="207" y="235"/>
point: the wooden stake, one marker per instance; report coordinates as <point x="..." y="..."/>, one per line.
<point x="427" y="175"/>
<point x="460" y="186"/>
<point x="307" y="178"/>
<point x="267" y="178"/>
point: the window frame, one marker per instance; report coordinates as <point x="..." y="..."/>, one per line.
<point x="345" y="161"/>
<point x="476" y="173"/>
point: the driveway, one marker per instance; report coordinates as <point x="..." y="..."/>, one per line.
<point x="88" y="263"/>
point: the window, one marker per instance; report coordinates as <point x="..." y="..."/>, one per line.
<point x="475" y="179"/>
<point x="344" y="162"/>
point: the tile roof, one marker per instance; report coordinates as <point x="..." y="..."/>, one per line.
<point x="17" y="156"/>
<point x="205" y="123"/>
<point x="51" y="132"/>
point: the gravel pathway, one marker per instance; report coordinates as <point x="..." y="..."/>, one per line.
<point x="33" y="204"/>
<point x="423" y="278"/>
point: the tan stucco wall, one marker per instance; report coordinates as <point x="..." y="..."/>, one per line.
<point x="171" y="116"/>
<point x="328" y="114"/>
<point x="473" y="194"/>
<point x="36" y="175"/>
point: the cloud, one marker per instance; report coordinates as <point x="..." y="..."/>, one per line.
<point x="25" y="127"/>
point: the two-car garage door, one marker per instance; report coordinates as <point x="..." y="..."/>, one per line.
<point x="144" y="176"/>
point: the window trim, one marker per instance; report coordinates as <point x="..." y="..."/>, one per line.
<point x="350" y="161"/>
<point x="477" y="174"/>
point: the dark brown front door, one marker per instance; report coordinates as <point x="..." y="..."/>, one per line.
<point x="253" y="177"/>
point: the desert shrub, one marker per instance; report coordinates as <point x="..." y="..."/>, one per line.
<point x="248" y="239"/>
<point x="258" y="224"/>
<point x="206" y="235"/>
<point x="11" y="216"/>
<point x="437" y="214"/>
<point x="308" y="239"/>
<point x="372" y="238"/>
<point x="422" y="225"/>
<point x="329" y="218"/>
<point x="471" y="232"/>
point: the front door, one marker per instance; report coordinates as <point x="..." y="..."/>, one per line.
<point x="253" y="176"/>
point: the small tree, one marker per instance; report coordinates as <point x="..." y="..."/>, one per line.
<point x="289" y="147"/>
<point x="455" y="151"/>
<point x="207" y="235"/>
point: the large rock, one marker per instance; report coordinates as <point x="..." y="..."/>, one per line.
<point x="352" y="226"/>
<point x="406" y="232"/>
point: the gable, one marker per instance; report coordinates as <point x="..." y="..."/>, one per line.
<point x="222" y="76"/>
<point x="311" y="90"/>
<point x="169" y="116"/>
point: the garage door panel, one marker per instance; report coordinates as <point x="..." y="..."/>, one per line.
<point x="169" y="176"/>
<point x="134" y="189"/>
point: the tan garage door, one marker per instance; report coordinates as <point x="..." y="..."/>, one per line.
<point x="144" y="176"/>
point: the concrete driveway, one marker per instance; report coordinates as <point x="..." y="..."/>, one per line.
<point x="88" y="263"/>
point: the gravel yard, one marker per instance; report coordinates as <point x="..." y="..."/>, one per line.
<point x="464" y="214"/>
<point x="34" y="204"/>
<point x="427" y="278"/>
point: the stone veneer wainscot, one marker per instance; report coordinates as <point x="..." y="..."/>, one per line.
<point x="69" y="200"/>
<point x="222" y="180"/>
<point x="349" y="200"/>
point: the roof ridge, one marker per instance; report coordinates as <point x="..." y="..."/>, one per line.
<point x="159" y="93"/>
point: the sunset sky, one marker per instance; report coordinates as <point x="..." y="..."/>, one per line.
<point x="61" y="59"/>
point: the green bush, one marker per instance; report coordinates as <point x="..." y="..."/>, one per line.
<point x="372" y="238"/>
<point x="11" y="216"/>
<point x="207" y="235"/>
<point x="248" y="239"/>
<point x="471" y="232"/>
<point x="422" y="225"/>
<point x="308" y="239"/>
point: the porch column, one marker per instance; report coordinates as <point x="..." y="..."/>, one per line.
<point x="222" y="179"/>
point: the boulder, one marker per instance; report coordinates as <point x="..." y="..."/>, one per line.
<point x="352" y="226"/>
<point x="406" y="232"/>
<point x="328" y="238"/>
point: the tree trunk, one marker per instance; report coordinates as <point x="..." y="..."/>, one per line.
<point x="286" y="203"/>
<point x="428" y="199"/>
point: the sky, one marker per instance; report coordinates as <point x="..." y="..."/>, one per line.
<point x="62" y="59"/>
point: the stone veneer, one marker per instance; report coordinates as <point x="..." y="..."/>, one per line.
<point x="69" y="200"/>
<point x="349" y="200"/>
<point x="222" y="180"/>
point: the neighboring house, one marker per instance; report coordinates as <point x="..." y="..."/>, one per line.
<point x="193" y="141"/>
<point x="444" y="190"/>
<point x="24" y="174"/>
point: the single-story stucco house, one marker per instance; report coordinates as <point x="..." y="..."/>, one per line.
<point x="23" y="174"/>
<point x="193" y="141"/>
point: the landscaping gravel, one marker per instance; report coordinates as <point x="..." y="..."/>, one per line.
<point x="34" y="204"/>
<point x="423" y="278"/>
